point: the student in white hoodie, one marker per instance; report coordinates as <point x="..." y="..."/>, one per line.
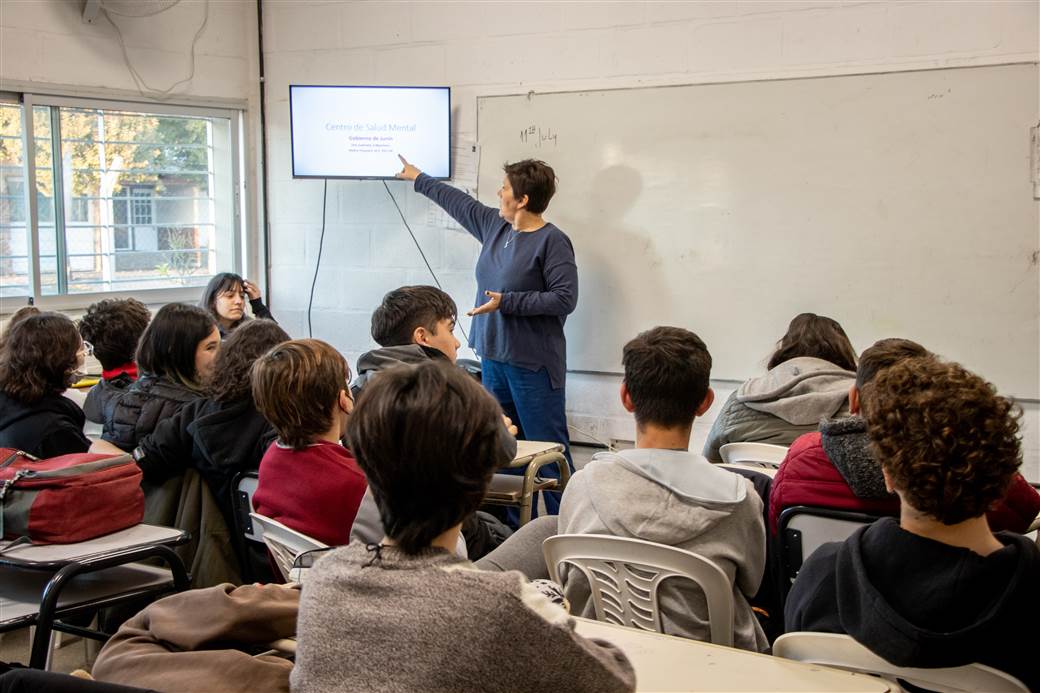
<point x="662" y="492"/>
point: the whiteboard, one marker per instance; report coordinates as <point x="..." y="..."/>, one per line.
<point x="899" y="204"/>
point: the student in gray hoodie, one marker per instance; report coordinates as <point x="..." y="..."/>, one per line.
<point x="662" y="492"/>
<point x="808" y="380"/>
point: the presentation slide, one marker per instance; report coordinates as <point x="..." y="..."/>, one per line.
<point x="357" y="132"/>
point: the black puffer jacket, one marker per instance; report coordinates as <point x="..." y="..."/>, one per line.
<point x="135" y="413"/>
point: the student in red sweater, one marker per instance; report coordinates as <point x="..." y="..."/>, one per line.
<point x="308" y="480"/>
<point x="835" y="467"/>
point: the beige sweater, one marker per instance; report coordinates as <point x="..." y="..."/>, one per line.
<point x="381" y="620"/>
<point x="183" y="642"/>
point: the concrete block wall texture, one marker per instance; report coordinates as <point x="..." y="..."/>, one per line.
<point x="47" y="42"/>
<point x="500" y="48"/>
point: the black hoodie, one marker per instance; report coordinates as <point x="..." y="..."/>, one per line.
<point x="219" y="439"/>
<point x="49" y="427"/>
<point x="377" y="360"/>
<point x="917" y="602"/>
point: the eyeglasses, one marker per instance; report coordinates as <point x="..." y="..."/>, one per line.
<point x="87" y="349"/>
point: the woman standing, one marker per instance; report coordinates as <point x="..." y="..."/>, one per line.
<point x="528" y="282"/>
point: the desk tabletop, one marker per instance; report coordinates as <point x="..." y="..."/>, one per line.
<point x="53" y="556"/>
<point x="669" y="663"/>
<point x="526" y="450"/>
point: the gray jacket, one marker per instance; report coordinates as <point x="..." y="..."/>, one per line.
<point x="789" y="400"/>
<point x="676" y="498"/>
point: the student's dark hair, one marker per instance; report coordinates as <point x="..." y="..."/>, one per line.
<point x="884" y="353"/>
<point x="533" y="178"/>
<point x="428" y="438"/>
<point x="225" y="281"/>
<point x="667" y="370"/>
<point x="238" y="353"/>
<point x="407" y="308"/>
<point x="39" y="357"/>
<point x="295" y="386"/>
<point x="167" y="347"/>
<point x="113" y="327"/>
<point x="946" y="438"/>
<point x="816" y="336"/>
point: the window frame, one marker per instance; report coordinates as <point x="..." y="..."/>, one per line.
<point x="28" y="101"/>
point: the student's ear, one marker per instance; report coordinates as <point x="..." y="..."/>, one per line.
<point x="854" y="400"/>
<point x="626" y="398"/>
<point x="522" y="202"/>
<point x="709" y="399"/>
<point x="346" y="402"/>
<point x="419" y="335"/>
<point x="888" y="481"/>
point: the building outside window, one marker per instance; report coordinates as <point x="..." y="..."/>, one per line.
<point x="129" y="198"/>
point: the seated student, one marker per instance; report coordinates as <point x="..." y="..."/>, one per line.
<point x="224" y="298"/>
<point x="175" y="356"/>
<point x="40" y="357"/>
<point x="663" y="493"/>
<point x="809" y="377"/>
<point x="222" y="433"/>
<point x="835" y="468"/>
<point x="308" y="480"/>
<point x="406" y="614"/>
<point x="413" y="324"/>
<point x="113" y="327"/>
<point x="935" y="588"/>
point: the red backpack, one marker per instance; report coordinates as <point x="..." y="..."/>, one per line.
<point x="68" y="498"/>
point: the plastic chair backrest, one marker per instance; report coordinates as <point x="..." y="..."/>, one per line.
<point x="803" y="529"/>
<point x="753" y="454"/>
<point x="285" y="544"/>
<point x="624" y="576"/>
<point x="245" y="487"/>
<point x="843" y="652"/>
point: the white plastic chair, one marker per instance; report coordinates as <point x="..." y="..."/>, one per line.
<point x="753" y="454"/>
<point x="285" y="544"/>
<point x="803" y="529"/>
<point x="843" y="652"/>
<point x="624" y="576"/>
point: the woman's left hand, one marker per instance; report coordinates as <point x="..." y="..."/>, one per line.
<point x="494" y="300"/>
<point x="251" y="290"/>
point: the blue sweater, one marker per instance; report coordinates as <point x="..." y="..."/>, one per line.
<point x="536" y="275"/>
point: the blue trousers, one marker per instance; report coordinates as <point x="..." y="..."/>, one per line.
<point x="537" y="409"/>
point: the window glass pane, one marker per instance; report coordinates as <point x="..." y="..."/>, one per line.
<point x="149" y="199"/>
<point x="45" y="199"/>
<point x="14" y="236"/>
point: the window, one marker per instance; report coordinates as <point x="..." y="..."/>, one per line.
<point x="128" y="198"/>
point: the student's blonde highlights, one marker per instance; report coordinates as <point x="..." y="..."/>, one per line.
<point x="295" y="386"/>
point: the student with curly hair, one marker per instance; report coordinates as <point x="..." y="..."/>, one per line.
<point x="935" y="588"/>
<point x="40" y="357"/>
<point x="175" y="356"/>
<point x="114" y="327"/>
<point x="835" y="468"/>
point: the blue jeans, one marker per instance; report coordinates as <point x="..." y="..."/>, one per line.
<point x="537" y="409"/>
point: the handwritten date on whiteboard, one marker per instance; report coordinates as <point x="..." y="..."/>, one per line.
<point x="538" y="136"/>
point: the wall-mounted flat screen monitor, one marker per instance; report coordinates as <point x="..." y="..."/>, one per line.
<point x="357" y="132"/>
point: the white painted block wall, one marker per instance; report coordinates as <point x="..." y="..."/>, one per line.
<point x="497" y="48"/>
